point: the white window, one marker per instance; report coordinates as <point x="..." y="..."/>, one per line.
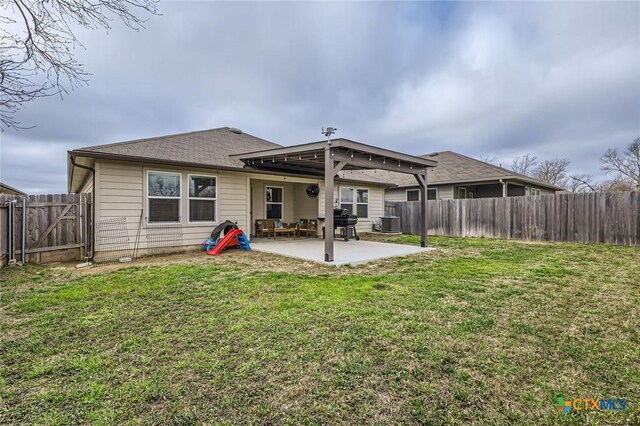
<point x="414" y="194"/>
<point x="273" y="197"/>
<point x="356" y="201"/>
<point x="534" y="191"/>
<point x="461" y="193"/>
<point x="202" y="198"/>
<point x="163" y="197"/>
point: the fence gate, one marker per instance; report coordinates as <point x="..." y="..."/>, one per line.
<point x="45" y="228"/>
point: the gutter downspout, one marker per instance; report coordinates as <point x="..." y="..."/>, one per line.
<point x="504" y="188"/>
<point x="93" y="204"/>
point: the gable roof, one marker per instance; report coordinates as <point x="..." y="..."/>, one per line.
<point x="458" y="168"/>
<point x="213" y="148"/>
<point x="207" y="148"/>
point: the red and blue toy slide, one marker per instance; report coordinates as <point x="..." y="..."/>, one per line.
<point x="235" y="237"/>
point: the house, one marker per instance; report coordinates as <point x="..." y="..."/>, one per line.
<point x="8" y="190"/>
<point x="196" y="180"/>
<point x="459" y="176"/>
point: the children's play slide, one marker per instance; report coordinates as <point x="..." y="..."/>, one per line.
<point x="235" y="237"/>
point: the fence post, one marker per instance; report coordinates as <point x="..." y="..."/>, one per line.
<point x="23" y="234"/>
<point x="10" y="222"/>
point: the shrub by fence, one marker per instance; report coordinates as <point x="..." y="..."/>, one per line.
<point x="612" y="218"/>
<point x="55" y="227"/>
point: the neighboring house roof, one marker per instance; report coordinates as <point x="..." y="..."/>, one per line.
<point x="456" y="168"/>
<point x="6" y="189"/>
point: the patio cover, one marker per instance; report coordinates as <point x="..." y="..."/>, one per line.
<point x="327" y="158"/>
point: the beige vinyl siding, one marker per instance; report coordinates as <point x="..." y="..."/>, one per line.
<point x="87" y="188"/>
<point x="296" y="203"/>
<point x="376" y="203"/>
<point x="121" y="192"/>
<point x="445" y="192"/>
<point x="259" y="199"/>
<point x="305" y="206"/>
<point x="546" y="191"/>
<point x="396" y="194"/>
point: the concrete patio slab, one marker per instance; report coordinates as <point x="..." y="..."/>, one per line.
<point x="350" y="252"/>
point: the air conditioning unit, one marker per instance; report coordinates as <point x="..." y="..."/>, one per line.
<point x="390" y="224"/>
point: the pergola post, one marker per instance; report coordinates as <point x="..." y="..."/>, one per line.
<point x="424" y="219"/>
<point x="329" y="175"/>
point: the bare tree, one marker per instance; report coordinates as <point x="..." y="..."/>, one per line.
<point x="618" y="183"/>
<point x="491" y="159"/>
<point x="524" y="165"/>
<point x="582" y="182"/>
<point x="625" y="164"/>
<point x="553" y="171"/>
<point x="37" y="42"/>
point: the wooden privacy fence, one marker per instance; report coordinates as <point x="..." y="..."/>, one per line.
<point x="612" y="218"/>
<point x="45" y="228"/>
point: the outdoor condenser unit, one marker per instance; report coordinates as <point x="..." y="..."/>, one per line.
<point x="390" y="224"/>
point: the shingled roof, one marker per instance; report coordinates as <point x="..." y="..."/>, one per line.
<point x="206" y="148"/>
<point x="214" y="148"/>
<point x="457" y="168"/>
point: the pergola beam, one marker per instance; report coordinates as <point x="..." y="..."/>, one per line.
<point x="363" y="161"/>
<point x="291" y="168"/>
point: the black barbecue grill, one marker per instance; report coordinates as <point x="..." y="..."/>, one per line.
<point x="343" y="219"/>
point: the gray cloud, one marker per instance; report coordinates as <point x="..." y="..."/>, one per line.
<point x="554" y="79"/>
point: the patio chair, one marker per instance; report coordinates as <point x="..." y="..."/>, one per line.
<point x="310" y="229"/>
<point x="265" y="226"/>
<point x="302" y="226"/>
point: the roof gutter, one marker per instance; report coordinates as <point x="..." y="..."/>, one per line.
<point x="144" y="160"/>
<point x="512" y="179"/>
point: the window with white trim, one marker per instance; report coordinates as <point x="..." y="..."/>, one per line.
<point x="461" y="193"/>
<point x="534" y="191"/>
<point x="163" y="197"/>
<point x="414" y="194"/>
<point x="202" y="198"/>
<point x="356" y="200"/>
<point x="274" y="202"/>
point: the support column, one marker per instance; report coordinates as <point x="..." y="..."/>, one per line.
<point x="424" y="218"/>
<point x="329" y="174"/>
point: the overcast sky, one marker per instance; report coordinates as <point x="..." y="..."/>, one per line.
<point x="499" y="79"/>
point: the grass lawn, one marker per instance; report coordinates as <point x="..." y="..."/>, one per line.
<point x="479" y="331"/>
